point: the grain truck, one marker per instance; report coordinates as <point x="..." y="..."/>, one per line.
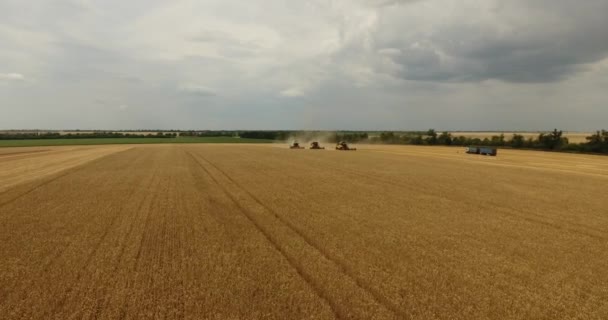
<point x="486" y="151"/>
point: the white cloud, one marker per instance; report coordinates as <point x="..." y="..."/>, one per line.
<point x="197" y="90"/>
<point x="292" y="92"/>
<point x="389" y="51"/>
<point x="12" y="76"/>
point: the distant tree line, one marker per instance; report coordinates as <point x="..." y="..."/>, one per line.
<point x="84" y="135"/>
<point x="554" y="141"/>
<point x="282" y="135"/>
<point x="267" y="135"/>
<point x="349" y="136"/>
<point x="208" y="133"/>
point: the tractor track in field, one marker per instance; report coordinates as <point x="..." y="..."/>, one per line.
<point x="91" y="255"/>
<point x="146" y="202"/>
<point x="318" y="289"/>
<point x="342" y="266"/>
<point x="130" y="194"/>
<point x="138" y="211"/>
<point x="123" y="244"/>
<point x="63" y="249"/>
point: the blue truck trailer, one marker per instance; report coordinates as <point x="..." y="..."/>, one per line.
<point x="486" y="151"/>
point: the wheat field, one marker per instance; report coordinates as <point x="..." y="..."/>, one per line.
<point x="263" y="232"/>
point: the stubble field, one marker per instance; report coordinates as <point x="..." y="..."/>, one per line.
<point x="263" y="232"/>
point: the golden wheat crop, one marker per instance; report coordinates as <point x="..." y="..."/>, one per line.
<point x="263" y="232"/>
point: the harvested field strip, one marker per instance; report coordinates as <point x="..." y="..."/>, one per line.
<point x="16" y="192"/>
<point x="15" y="171"/>
<point x="16" y="153"/>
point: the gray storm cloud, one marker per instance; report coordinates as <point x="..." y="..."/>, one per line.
<point x="516" y="41"/>
<point x="364" y="64"/>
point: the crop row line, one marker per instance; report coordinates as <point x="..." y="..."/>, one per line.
<point x="268" y="236"/>
<point x="92" y="253"/>
<point x="343" y="267"/>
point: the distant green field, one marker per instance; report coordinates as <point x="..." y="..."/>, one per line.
<point x="95" y="141"/>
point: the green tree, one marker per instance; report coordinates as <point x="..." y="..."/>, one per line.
<point x="418" y="140"/>
<point x="388" y="137"/>
<point x="552" y="140"/>
<point x="445" y="139"/>
<point x="431" y="137"/>
<point x="518" y="141"/>
<point x="597" y="142"/>
<point x="498" y="140"/>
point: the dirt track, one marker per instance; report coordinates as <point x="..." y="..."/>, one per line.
<point x="259" y="231"/>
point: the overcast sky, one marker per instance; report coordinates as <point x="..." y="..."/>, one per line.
<point x="282" y="64"/>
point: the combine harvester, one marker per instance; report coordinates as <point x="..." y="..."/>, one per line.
<point x="316" y="146"/>
<point x="343" y="146"/>
<point x="485" y="151"/>
<point x="295" y="145"/>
